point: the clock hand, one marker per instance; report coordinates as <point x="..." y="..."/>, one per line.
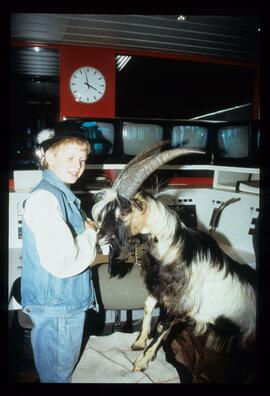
<point x="93" y="87"/>
<point x="90" y="86"/>
<point x="87" y="82"/>
<point x="86" y="77"/>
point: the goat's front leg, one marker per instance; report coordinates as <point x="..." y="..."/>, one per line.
<point x="140" y="342"/>
<point x="141" y="363"/>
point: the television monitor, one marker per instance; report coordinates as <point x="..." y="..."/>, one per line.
<point x="138" y="135"/>
<point x="237" y="144"/>
<point x="191" y="134"/>
<point x="101" y="134"/>
<point x="256" y="143"/>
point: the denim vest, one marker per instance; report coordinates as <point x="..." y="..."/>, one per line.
<point x="39" y="287"/>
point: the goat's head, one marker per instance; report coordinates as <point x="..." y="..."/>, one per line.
<point x="109" y="213"/>
<point x="120" y="212"/>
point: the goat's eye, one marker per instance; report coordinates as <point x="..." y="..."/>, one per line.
<point x="123" y="215"/>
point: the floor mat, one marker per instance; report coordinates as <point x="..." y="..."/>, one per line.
<point x="109" y="359"/>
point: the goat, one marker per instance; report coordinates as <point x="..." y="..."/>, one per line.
<point x="184" y="270"/>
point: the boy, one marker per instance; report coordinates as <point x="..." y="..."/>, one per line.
<point x="58" y="247"/>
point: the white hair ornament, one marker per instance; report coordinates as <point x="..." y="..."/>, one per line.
<point x="45" y="134"/>
<point x="42" y="136"/>
<point x="40" y="154"/>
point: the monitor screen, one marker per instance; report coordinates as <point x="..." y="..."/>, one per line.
<point x="138" y="136"/>
<point x="233" y="141"/>
<point x="256" y="144"/>
<point x="100" y="136"/>
<point x="189" y="136"/>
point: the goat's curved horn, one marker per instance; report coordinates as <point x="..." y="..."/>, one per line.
<point x="140" y="157"/>
<point x="134" y="177"/>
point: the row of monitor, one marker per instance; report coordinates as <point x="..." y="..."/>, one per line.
<point x="118" y="140"/>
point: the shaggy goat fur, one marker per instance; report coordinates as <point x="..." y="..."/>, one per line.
<point x="184" y="270"/>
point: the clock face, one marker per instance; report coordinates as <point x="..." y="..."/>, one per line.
<point x="87" y="84"/>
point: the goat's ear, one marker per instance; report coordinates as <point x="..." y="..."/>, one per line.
<point x="138" y="205"/>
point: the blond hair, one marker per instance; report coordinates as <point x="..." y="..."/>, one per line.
<point x="56" y="146"/>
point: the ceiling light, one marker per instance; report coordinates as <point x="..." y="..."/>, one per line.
<point x="121" y="61"/>
<point x="181" y="17"/>
<point x="36" y="49"/>
<point x="221" y="111"/>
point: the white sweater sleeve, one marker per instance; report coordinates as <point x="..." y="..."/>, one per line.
<point x="60" y="253"/>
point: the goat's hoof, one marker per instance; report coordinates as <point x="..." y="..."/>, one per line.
<point x="140" y="364"/>
<point x="135" y="368"/>
<point x="136" y="347"/>
<point x="138" y="368"/>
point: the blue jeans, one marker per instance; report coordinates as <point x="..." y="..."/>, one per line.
<point x="56" y="342"/>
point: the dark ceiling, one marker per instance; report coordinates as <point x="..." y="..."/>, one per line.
<point x="233" y="36"/>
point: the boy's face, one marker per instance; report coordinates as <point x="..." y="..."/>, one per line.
<point x="68" y="162"/>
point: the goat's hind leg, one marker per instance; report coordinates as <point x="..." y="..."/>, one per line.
<point x="141" y="363"/>
<point x="140" y="342"/>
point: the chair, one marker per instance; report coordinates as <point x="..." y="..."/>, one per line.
<point x="125" y="291"/>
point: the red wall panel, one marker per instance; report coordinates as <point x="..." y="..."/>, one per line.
<point x="73" y="57"/>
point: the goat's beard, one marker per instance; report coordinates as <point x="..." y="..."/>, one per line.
<point x="118" y="256"/>
<point x="119" y="240"/>
<point x="120" y="250"/>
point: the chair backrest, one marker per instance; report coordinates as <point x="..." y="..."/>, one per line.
<point x="127" y="292"/>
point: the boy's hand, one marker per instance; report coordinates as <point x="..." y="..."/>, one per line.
<point x="90" y="224"/>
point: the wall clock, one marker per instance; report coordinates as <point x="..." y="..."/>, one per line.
<point x="87" y="84"/>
